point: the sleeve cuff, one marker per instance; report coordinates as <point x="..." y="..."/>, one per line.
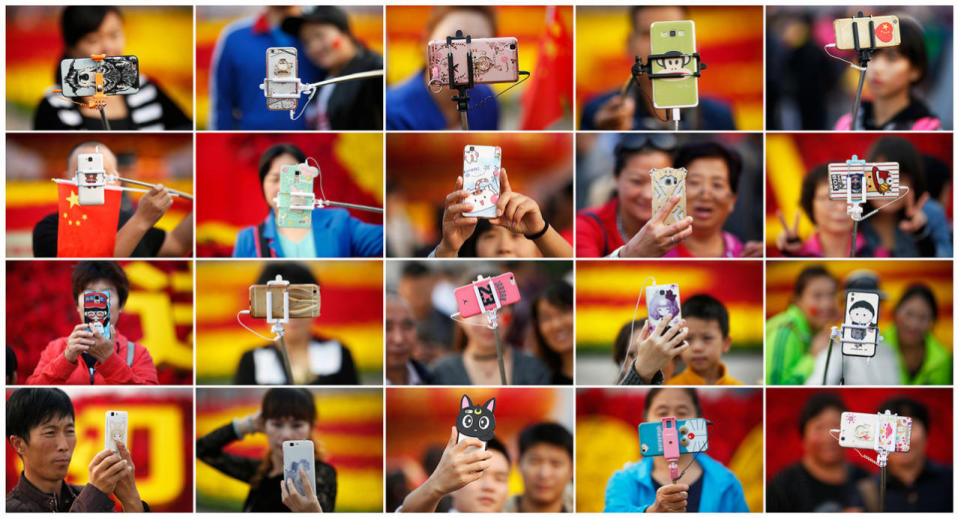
<point x="633" y="378"/>
<point x="111" y="365"/>
<point x="615" y="253"/>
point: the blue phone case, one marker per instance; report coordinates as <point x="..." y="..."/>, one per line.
<point x="693" y="437"/>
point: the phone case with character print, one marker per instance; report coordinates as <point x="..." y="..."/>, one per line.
<point x="480" y="176"/>
<point x="295" y="199"/>
<point x="675" y="41"/>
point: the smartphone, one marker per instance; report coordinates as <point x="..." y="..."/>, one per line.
<point x="662" y="300"/>
<point x="675" y="41"/>
<point x="860" y="329"/>
<point x="303" y="300"/>
<point x="874" y="180"/>
<point x="693" y="435"/>
<point x="869" y="431"/>
<point x="282" y="78"/>
<point x="121" y="75"/>
<point x="666" y="183"/>
<point x="486" y="292"/>
<point x="299" y="455"/>
<point x="480" y="176"/>
<point x="115" y="429"/>
<point x="294" y="205"/>
<point x="91" y="179"/>
<point x="477" y="421"/>
<point x="887" y="32"/>
<point x="494" y="60"/>
<point x="96" y="311"/>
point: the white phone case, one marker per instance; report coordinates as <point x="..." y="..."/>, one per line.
<point x="480" y="176"/>
<point x="115" y="429"/>
<point x="662" y="299"/>
<point x="868" y="431"/>
<point x="91" y="179"/>
<point x="462" y="437"/>
<point x="296" y="455"/>
<point x="282" y="71"/>
<point x="860" y="336"/>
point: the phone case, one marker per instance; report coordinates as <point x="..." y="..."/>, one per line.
<point x="91" y="179"/>
<point x="880" y="180"/>
<point x="480" y="176"/>
<point x="502" y="287"/>
<point x="674" y="38"/>
<point x="121" y="76"/>
<point x="282" y="78"/>
<point x="868" y="431"/>
<point x="887" y="32"/>
<point x="662" y="300"/>
<point x="115" y="429"/>
<point x="304" y="300"/>
<point x="666" y="183"/>
<point x="477" y="421"/>
<point x="96" y="311"/>
<point x="494" y="60"/>
<point x="861" y="309"/>
<point x="299" y="455"/>
<point x="295" y="203"/>
<point x="693" y="437"/>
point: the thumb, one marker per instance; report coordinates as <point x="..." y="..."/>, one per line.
<point x="453" y="435"/>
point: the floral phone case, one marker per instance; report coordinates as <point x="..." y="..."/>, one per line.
<point x="480" y="176"/>
<point x="666" y="183"/>
<point x="494" y="60"/>
<point x="295" y="202"/>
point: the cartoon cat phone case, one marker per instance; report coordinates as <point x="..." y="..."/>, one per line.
<point x="299" y="455"/>
<point x="860" y="327"/>
<point x="115" y="429"/>
<point x="476" y="420"/>
<point x="480" y="177"/>
<point x="887" y="32"/>
<point x="693" y="436"/>
<point x="282" y="72"/>
<point x="662" y="300"/>
<point x="873" y="431"/>
<point x="121" y="76"/>
<point x="675" y="42"/>
<point x="96" y="311"/>
<point x="667" y="183"/>
<point x="494" y="60"/>
<point x="295" y="199"/>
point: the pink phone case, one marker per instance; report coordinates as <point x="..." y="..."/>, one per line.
<point x="504" y="286"/>
<point x="494" y="60"/>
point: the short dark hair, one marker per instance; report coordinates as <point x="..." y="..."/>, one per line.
<point x="692" y="151"/>
<point x="622" y="154"/>
<point x="285" y="148"/>
<point x="912" y="46"/>
<point x="468" y="248"/>
<point x="292" y="271"/>
<point x="911" y="163"/>
<point x="297" y="403"/>
<point x="908" y="407"/>
<point x="620" y="347"/>
<point x="811" y="272"/>
<point x="688" y="390"/>
<point x="923" y="292"/>
<point x="11" y="361"/>
<point x="817" y="176"/>
<point x="76" y="21"/>
<point x="28" y="408"/>
<point x="815" y="405"/>
<point x="635" y="9"/>
<point x="415" y="269"/>
<point x="549" y="433"/>
<point x="87" y="272"/>
<point x="559" y="294"/>
<point x="706" y="307"/>
<point x="496" y="444"/>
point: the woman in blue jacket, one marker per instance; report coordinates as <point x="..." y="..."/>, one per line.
<point x="333" y="233"/>
<point x="645" y="486"/>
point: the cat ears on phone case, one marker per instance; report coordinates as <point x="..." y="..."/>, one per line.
<point x="466" y="402"/>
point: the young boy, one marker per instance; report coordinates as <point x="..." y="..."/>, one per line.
<point x="545" y="463"/>
<point x="707" y="320"/>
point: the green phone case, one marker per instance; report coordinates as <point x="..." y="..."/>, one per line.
<point x="295" y="188"/>
<point x="674" y="92"/>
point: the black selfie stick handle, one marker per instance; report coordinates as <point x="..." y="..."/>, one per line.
<point x="881" y="491"/>
<point x="462" y="97"/>
<point x="864" y="56"/>
<point x="502" y="366"/>
<point x="90" y="361"/>
<point x="828" y="358"/>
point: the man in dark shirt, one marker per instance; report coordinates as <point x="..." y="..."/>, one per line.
<point x="822" y="481"/>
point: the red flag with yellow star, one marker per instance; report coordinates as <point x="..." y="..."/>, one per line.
<point x="550" y="87"/>
<point x="86" y="230"/>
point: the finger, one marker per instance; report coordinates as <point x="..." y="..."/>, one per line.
<point x="121" y="449"/>
<point x="467" y="442"/>
<point x="503" y="202"/>
<point x="504" y="181"/>
<point x="781" y="219"/>
<point x="115" y="469"/>
<point x="644" y="334"/>
<point x="666" y="209"/>
<point x="453" y="434"/>
<point x="921" y="202"/>
<point x="680" y="349"/>
<point x="307" y="487"/>
<point x="80" y="327"/>
<point x="98" y="458"/>
<point x="660" y="329"/>
<point x="458" y="208"/>
<point x="524" y="210"/>
<point x="679" y="226"/>
<point x="458" y="183"/>
<point x="678" y="339"/>
<point x="798" y="216"/>
<point x="681" y="236"/>
<point x="284" y="491"/>
<point x="476" y="456"/>
<point x="456" y="196"/>
<point x="479" y="467"/>
<point x="674" y="330"/>
<point x="671" y="489"/>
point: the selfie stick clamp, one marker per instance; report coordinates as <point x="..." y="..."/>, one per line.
<point x="98" y="102"/>
<point x="279" y="321"/>
<point x="670" y="447"/>
<point x="864" y="56"/>
<point x="640" y="68"/>
<point x="462" y="97"/>
<point x="837" y="334"/>
<point x="492" y="322"/>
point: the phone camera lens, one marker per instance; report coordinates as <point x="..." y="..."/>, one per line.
<point x="671" y="34"/>
<point x="661" y="292"/>
<point x="512" y="46"/>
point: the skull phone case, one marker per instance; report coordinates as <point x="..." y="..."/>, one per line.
<point x="295" y="199"/>
<point x="299" y="455"/>
<point x="494" y="60"/>
<point x="121" y="75"/>
<point x="871" y="431"/>
<point x="675" y="41"/>
<point x="662" y="300"/>
<point x="96" y="311"/>
<point x="693" y="436"/>
<point x="282" y="78"/>
<point x="887" y="32"/>
<point x="115" y="429"/>
<point x="480" y="177"/>
<point x="860" y="327"/>
<point x="666" y="183"/>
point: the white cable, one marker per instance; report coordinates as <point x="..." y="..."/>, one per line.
<point x="320" y="169"/>
<point x="859" y="452"/>
<point x="457" y="318"/>
<point x="872" y="213"/>
<point x="625" y="361"/>
<point x="250" y="330"/>
<point x="856" y="67"/>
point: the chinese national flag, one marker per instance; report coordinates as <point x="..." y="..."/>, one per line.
<point x="550" y="86"/>
<point x="86" y="230"/>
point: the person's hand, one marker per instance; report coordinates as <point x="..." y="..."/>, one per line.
<point x="656" y="349"/>
<point x="459" y="464"/>
<point x="518" y="213"/>
<point x="788" y="240"/>
<point x="153" y="205"/>
<point x="915" y="217"/>
<point x="655" y="238"/>
<point x="820" y="341"/>
<point x="670" y="498"/>
<point x="299" y="503"/>
<point x="106" y="470"/>
<point x="456" y="228"/>
<point x="252" y="423"/>
<point x="615" y="114"/>
<point x="102" y="347"/>
<point x="125" y="490"/>
<point x="753" y="249"/>
<point x="79" y="341"/>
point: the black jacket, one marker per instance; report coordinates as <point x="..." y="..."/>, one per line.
<point x="27" y="498"/>
<point x="357" y="104"/>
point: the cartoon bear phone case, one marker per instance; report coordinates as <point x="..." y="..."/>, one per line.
<point x="860" y="327"/>
<point x="675" y="41"/>
<point x="667" y="183"/>
<point x="662" y="300"/>
<point x="494" y="60"/>
<point x="295" y="199"/>
<point x="115" y="429"/>
<point x="480" y="176"/>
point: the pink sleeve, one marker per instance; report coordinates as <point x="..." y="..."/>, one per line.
<point x="844" y="123"/>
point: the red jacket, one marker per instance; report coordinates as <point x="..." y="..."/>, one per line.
<point x="55" y="369"/>
<point x="596" y="230"/>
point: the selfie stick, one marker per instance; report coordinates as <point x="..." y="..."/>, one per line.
<point x="837" y="334"/>
<point x="640" y="68"/>
<point x="462" y="97"/>
<point x="864" y="56"/>
<point x="173" y="192"/>
<point x="670" y="447"/>
<point x="312" y="88"/>
<point x="492" y="319"/>
<point x="278" y="322"/>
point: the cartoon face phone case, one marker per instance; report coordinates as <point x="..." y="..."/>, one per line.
<point x="96" y="311"/>
<point x="662" y="300"/>
<point x="480" y="176"/>
<point x="91" y="179"/>
<point x="887" y="32"/>
<point x="299" y="455"/>
<point x="485" y="294"/>
<point x="476" y="420"/>
<point x="860" y="327"/>
<point x="115" y="429"/>
<point x="494" y="60"/>
<point x="879" y="180"/>
<point x="295" y="199"/>
<point x="282" y="84"/>
<point x="871" y="431"/>
<point x="675" y="41"/>
<point x="121" y="75"/>
<point x="693" y="437"/>
<point x="667" y="183"/>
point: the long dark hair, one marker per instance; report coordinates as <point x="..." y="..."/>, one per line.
<point x="558" y="294"/>
<point x="282" y="402"/>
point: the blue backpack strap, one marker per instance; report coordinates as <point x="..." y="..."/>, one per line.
<point x="605" y="236"/>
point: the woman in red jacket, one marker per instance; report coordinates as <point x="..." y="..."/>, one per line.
<point x="88" y="357"/>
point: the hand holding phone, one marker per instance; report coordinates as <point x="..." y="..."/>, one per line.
<point x="299" y="455"/>
<point x="666" y="184"/>
<point x="115" y="429"/>
<point x="96" y="312"/>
